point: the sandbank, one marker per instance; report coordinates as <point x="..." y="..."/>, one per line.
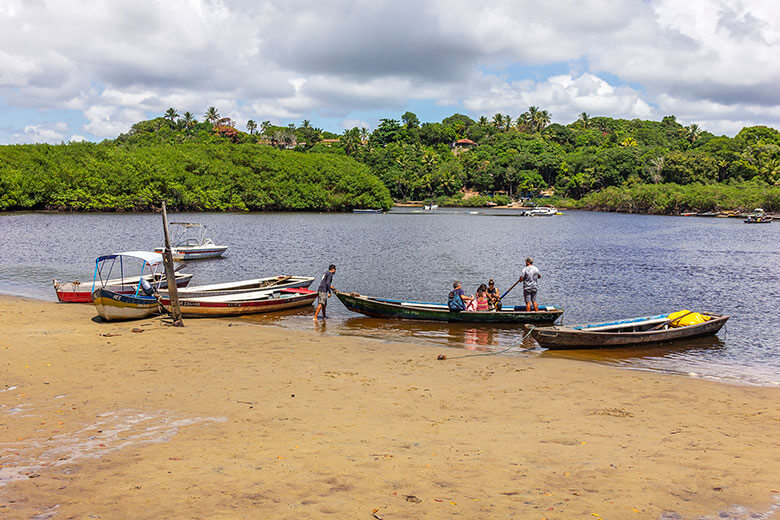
<point x="230" y="419"/>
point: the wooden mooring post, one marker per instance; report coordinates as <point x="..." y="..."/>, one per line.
<point x="170" y="274"/>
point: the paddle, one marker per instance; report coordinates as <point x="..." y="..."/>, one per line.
<point x="513" y="286"/>
<point x="279" y="280"/>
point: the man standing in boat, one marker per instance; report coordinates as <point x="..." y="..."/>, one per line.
<point x="530" y="277"/>
<point x="324" y="291"/>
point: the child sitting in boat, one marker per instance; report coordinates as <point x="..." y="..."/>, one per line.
<point x="481" y="298"/>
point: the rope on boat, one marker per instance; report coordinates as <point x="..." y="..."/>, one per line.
<point x="491" y="353"/>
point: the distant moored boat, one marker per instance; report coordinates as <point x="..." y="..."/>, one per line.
<point x="189" y="247"/>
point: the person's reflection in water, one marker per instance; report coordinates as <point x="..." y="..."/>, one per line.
<point x="477" y="339"/>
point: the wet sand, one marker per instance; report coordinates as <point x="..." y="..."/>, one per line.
<point x="228" y="419"/>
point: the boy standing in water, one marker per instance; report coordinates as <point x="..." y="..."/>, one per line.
<point x="324" y="291"/>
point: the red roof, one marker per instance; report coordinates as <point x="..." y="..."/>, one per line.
<point x="465" y="141"/>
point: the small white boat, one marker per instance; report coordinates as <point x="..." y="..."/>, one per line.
<point x="112" y="305"/>
<point x="543" y="211"/>
<point x="243" y="304"/>
<point x="190" y="242"/>
<point x="431" y="206"/>
<point x="244" y="286"/>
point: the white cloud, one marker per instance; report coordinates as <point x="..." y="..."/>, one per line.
<point x="116" y="62"/>
<point x="52" y="133"/>
<point x="354" y="123"/>
<point x="564" y="96"/>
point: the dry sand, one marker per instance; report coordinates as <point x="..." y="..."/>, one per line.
<point x="227" y="419"/>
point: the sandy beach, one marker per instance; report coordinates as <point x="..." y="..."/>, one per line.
<point x="225" y="419"/>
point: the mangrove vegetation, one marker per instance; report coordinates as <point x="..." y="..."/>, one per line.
<point x="593" y="163"/>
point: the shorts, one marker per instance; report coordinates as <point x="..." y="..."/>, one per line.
<point x="323" y="298"/>
<point x="529" y="295"/>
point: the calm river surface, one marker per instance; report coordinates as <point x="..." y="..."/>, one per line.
<point x="598" y="266"/>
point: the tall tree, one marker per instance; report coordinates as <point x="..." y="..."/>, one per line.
<point x="305" y="123"/>
<point x="251" y="126"/>
<point x="171" y="115"/>
<point x="264" y="127"/>
<point x="498" y="122"/>
<point x="584" y="120"/>
<point x="189" y="120"/>
<point x="693" y="133"/>
<point x="410" y="120"/>
<point x="350" y="141"/>
<point x="211" y="115"/>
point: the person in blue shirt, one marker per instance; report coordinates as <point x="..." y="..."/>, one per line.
<point x="324" y="291"/>
<point x="457" y="290"/>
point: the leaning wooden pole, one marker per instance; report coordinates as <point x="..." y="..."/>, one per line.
<point x="170" y="274"/>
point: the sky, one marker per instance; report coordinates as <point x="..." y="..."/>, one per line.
<point x="89" y="69"/>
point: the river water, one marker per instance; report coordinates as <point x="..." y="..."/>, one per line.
<point x="597" y="266"/>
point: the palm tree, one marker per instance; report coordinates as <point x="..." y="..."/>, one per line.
<point x="305" y="123"/>
<point x="498" y="121"/>
<point x="172" y="115"/>
<point x="264" y="127"/>
<point x="658" y="166"/>
<point x="251" y="126"/>
<point x="483" y="121"/>
<point x="542" y="120"/>
<point x="585" y="120"/>
<point x="533" y="116"/>
<point x="694" y="132"/>
<point x="350" y="140"/>
<point x="507" y="122"/>
<point x="211" y="115"/>
<point x="189" y="120"/>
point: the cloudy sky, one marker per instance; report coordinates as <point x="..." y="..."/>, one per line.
<point x="89" y="69"/>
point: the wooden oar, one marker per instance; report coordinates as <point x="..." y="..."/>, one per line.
<point x="279" y="280"/>
<point x="513" y="286"/>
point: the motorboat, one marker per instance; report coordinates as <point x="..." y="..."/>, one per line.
<point x="80" y="292"/>
<point x="758" y="216"/>
<point x="543" y="211"/>
<point x="136" y="299"/>
<point x="190" y="242"/>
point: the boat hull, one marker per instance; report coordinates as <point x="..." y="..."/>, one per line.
<point x="382" y="308"/>
<point x="112" y="306"/>
<point x="203" y="308"/>
<point x="195" y="253"/>
<point x="76" y="292"/>
<point x="244" y="286"/>
<point x="571" y="338"/>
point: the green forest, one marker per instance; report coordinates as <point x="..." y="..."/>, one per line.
<point x="593" y="163"/>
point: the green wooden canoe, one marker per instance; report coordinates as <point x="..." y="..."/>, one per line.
<point x="386" y="308"/>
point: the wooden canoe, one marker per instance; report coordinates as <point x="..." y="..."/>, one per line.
<point x="386" y="308"/>
<point x="112" y="306"/>
<point x="633" y="331"/>
<point x="241" y="304"/>
<point x="244" y="286"/>
<point x="77" y="292"/>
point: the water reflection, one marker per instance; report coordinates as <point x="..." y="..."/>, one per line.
<point x="690" y="347"/>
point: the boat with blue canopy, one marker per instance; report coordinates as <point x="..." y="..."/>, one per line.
<point x="134" y="301"/>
